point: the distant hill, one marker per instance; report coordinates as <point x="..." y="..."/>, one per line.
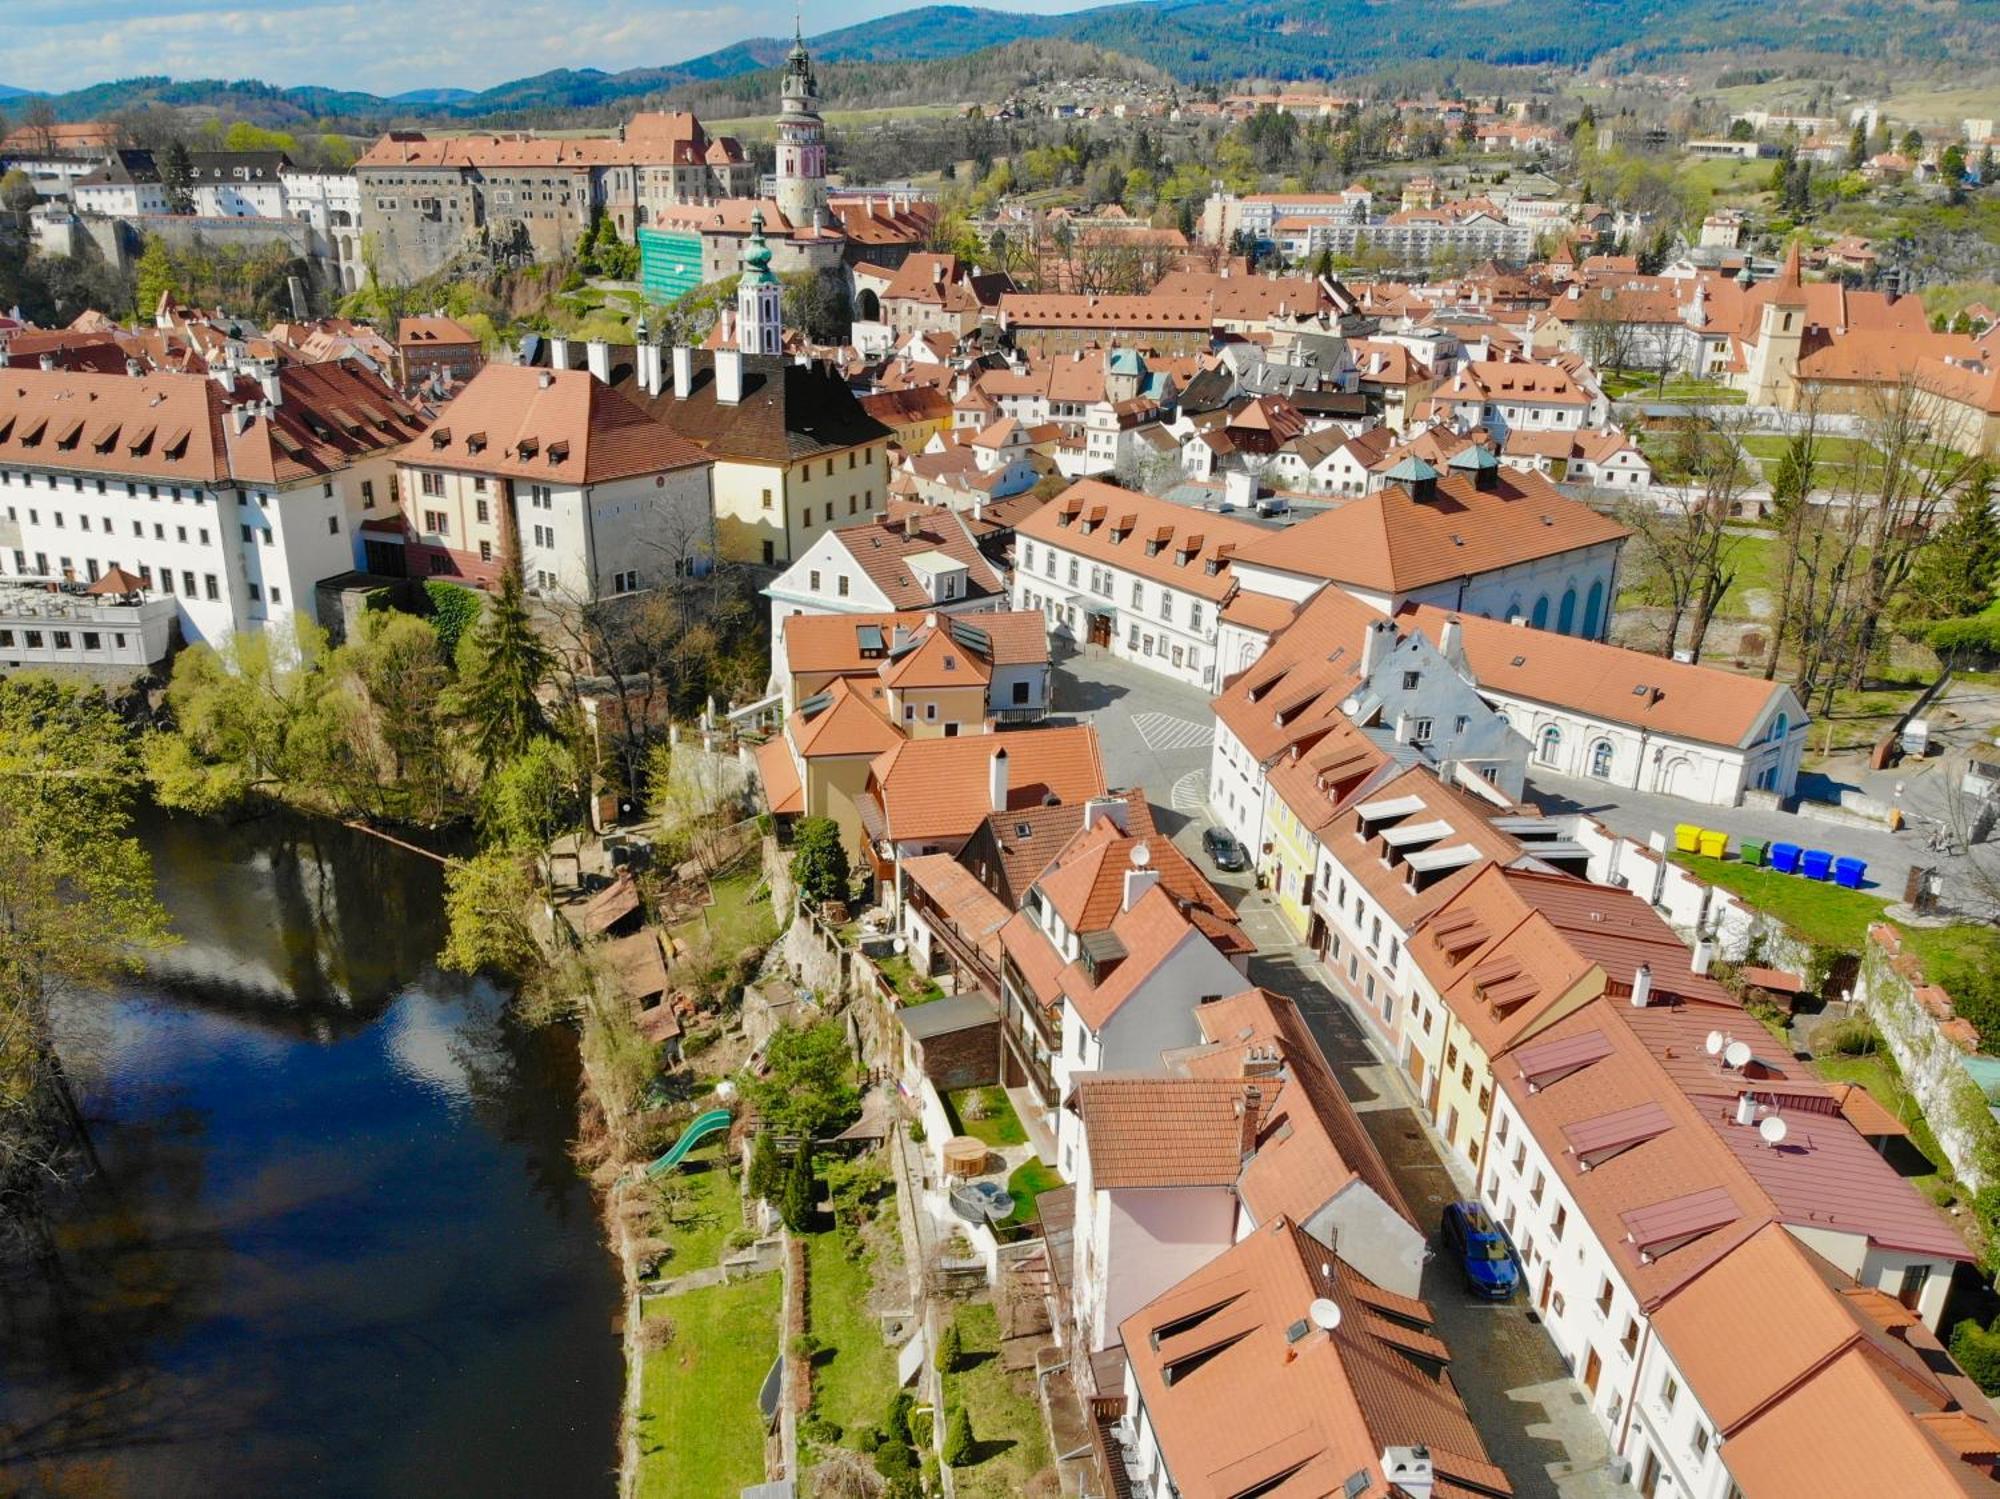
<point x="8" y="91"/>
<point x="1193" y="40"/>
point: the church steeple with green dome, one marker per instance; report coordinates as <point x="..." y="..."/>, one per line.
<point x="760" y="325"/>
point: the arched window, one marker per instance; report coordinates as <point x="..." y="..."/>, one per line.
<point x="1540" y="618"/>
<point x="1550" y="749"/>
<point x="1593" y="611"/>
<point x="1780" y="726"/>
<point x="1600" y="759"/>
<point x="1513" y="610"/>
<point x="1566" y="617"/>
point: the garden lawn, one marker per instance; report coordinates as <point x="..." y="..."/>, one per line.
<point x="699" y="1428"/>
<point x="914" y="988"/>
<point x="1000" y="1128"/>
<point x="854" y="1373"/>
<point x="713" y="1210"/>
<point x="1010" y="1445"/>
<point x="1835" y="459"/>
<point x="1877" y="1072"/>
<point x="741" y="915"/>
<point x="1030" y="1179"/>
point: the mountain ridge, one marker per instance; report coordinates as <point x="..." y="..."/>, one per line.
<point x="1196" y="41"/>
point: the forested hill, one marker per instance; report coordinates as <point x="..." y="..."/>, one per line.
<point x="1197" y="41"/>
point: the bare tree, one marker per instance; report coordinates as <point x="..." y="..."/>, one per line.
<point x="1791" y="493"/>
<point x="1684" y="533"/>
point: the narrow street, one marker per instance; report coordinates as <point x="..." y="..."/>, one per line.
<point x="1521" y="1397"/>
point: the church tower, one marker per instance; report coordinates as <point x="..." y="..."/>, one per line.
<point x="1772" y="378"/>
<point x="759" y="320"/>
<point x="801" y="141"/>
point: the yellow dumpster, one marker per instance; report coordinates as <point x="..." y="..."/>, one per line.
<point x="1686" y="836"/>
<point x="1713" y="843"/>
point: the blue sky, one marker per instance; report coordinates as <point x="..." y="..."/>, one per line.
<point x="386" y="46"/>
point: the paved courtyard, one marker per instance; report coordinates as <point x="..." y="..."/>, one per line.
<point x="1153" y="732"/>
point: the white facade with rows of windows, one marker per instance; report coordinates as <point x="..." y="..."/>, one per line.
<point x="1164" y="629"/>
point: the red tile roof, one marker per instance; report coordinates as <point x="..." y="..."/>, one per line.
<point x="551" y="427"/>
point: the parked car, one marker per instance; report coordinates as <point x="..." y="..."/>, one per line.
<point x="1223" y="851"/>
<point x="1484" y="1256"/>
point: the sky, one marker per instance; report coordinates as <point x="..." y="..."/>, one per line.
<point x="388" y="46"/>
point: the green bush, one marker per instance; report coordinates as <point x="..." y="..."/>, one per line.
<point x="896" y="1421"/>
<point x="1853" y="1037"/>
<point x="1964" y="639"/>
<point x="796" y="1206"/>
<point x="959" y="1446"/>
<point x="894" y="1459"/>
<point x="933" y="1484"/>
<point x="950" y="1350"/>
<point x="817" y="1428"/>
<point x="819" y="861"/>
<point x="868" y="1438"/>
<point x="1977" y="1350"/>
<point x="767" y="1177"/>
<point x="454" y="610"/>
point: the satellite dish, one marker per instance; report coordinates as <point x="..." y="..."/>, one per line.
<point x="1773" y="1129"/>
<point x="1737" y="1055"/>
<point x="901" y="944"/>
<point x="725" y="1090"/>
<point x="1324" y="1313"/>
<point x="1141" y="856"/>
<point x="1714" y="1044"/>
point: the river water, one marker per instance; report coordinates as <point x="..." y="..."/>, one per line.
<point x="338" y="1246"/>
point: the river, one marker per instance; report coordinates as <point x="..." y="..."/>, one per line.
<point x="338" y="1246"/>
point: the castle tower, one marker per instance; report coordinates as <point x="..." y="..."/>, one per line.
<point x="760" y="325"/>
<point x="801" y="140"/>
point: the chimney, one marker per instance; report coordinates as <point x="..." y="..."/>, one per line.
<point x="1376" y="645"/>
<point x="996" y="780"/>
<point x="683" y="371"/>
<point x="1642" y="987"/>
<point x="1704" y="954"/>
<point x="558" y="353"/>
<point x="1111" y="809"/>
<point x="598" y="352"/>
<point x="239" y="418"/>
<point x="1140" y="878"/>
<point x="728" y="376"/>
<point x="1746" y="1109"/>
<point x="134" y="369"/>
<point x="48" y="362"/>
<point x="1409" y="1471"/>
<point x="548" y="378"/>
<point x="274" y="390"/>
<point x="1248" y="1109"/>
<point x="1450" y="644"/>
<point x="912" y="527"/>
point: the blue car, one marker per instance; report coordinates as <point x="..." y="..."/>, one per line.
<point x="1484" y="1256"/>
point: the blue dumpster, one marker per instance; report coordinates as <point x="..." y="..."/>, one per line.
<point x="1785" y="857"/>
<point x="1817" y="864"/>
<point x="1847" y="872"/>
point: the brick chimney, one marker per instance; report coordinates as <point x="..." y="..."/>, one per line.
<point x="1249" y="1108"/>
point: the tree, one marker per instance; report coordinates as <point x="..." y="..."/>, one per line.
<point x="17" y="192"/>
<point x="157" y="277"/>
<point x="819" y="860"/>
<point x="1951" y="165"/>
<point x="1954" y="575"/>
<point x="1791" y="490"/>
<point x="531" y="800"/>
<point x="454" y="611"/>
<point x="951" y="1348"/>
<point x="238" y="713"/>
<point x="1913" y="143"/>
<point x="1977" y="1350"/>
<point x="1857" y="146"/>
<point x="959" y="1447"/>
<point x="500" y="678"/>
<point x="808" y="1087"/>
<point x="486" y="902"/>
<point x="177" y="178"/>
<point x="767" y="1177"/>
<point x="1684" y="538"/>
<point x="815" y="303"/>
<point x="796" y="1206"/>
<point x="76" y="905"/>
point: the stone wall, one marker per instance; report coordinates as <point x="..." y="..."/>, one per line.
<point x="1933" y="1067"/>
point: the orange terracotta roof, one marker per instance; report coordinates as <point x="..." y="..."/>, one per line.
<point x="1243" y="1399"/>
<point x="939" y="788"/>
<point x="548" y="426"/>
<point x="782" y="791"/>
<point x="882" y="551"/>
<point x="833" y="642"/>
<point x="1165" y="1131"/>
<point x="1190" y="549"/>
<point x="849" y="723"/>
<point x="1392" y="541"/>
<point x="1608" y="682"/>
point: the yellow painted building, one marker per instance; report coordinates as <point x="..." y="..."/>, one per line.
<point x="770" y="513"/>
<point x="1289" y="866"/>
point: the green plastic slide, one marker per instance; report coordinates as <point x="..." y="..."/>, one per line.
<point x="703" y="1126"/>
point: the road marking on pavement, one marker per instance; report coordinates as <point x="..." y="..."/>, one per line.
<point x="1190" y="793"/>
<point x="1163" y="731"/>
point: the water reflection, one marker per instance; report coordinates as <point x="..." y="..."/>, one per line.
<point x="338" y="1246"/>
